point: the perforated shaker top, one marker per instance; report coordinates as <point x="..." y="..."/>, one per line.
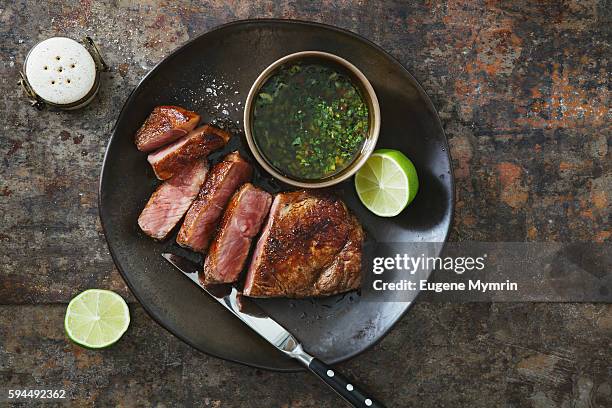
<point x="60" y="70"/>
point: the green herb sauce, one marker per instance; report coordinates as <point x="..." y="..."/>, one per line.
<point x="310" y="121"/>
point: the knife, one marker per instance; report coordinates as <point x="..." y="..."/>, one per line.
<point x="275" y="334"/>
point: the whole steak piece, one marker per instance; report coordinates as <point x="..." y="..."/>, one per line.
<point x="311" y="246"/>
<point x="164" y="125"/>
<point x="203" y="216"/>
<point x="171" y="200"/>
<point x="197" y="144"/>
<point x="241" y="222"/>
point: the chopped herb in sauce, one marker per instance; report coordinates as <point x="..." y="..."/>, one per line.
<point x="310" y="121"/>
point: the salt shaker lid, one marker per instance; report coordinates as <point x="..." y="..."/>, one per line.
<point x="62" y="72"/>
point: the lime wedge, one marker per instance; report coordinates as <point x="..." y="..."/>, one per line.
<point x="96" y="318"/>
<point x="387" y="182"/>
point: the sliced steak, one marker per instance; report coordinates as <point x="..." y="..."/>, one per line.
<point x="311" y="246"/>
<point x="164" y="125"/>
<point x="171" y="200"/>
<point x="197" y="144"/>
<point x="203" y="216"/>
<point x="241" y="222"/>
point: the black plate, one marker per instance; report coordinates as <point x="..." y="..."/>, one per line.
<point x="335" y="328"/>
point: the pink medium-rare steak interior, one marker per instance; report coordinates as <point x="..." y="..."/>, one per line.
<point x="203" y="216"/>
<point x="241" y="222"/>
<point x="171" y="200"/>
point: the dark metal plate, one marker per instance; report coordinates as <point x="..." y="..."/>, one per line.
<point x="335" y="328"/>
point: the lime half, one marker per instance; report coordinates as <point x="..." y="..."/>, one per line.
<point x="96" y="318"/>
<point x="387" y="182"/>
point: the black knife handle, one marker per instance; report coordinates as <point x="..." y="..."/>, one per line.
<point x="347" y="389"/>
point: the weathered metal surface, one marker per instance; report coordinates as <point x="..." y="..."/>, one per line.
<point x="524" y="95"/>
<point x="522" y="90"/>
<point x="441" y="355"/>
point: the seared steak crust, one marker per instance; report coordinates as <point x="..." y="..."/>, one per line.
<point x="171" y="200"/>
<point x="198" y="143"/>
<point x="165" y="124"/>
<point x="310" y="246"/>
<point x="203" y="216"/>
<point x="241" y="222"/>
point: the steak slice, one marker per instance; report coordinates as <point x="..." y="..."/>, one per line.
<point x="241" y="222"/>
<point x="311" y="246"/>
<point x="171" y="200"/>
<point x="165" y="124"/>
<point x="196" y="144"/>
<point x="203" y="216"/>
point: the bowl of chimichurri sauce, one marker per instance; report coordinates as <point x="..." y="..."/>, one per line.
<point x="312" y="119"/>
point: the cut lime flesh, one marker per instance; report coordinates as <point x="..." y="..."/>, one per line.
<point x="96" y="318"/>
<point x="387" y="182"/>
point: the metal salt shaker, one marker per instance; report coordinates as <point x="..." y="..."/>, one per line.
<point x="62" y="73"/>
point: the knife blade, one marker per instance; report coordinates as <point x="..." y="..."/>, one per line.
<point x="258" y="320"/>
<point x="245" y="310"/>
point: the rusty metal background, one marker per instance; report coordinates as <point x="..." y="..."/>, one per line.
<point x="524" y="94"/>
